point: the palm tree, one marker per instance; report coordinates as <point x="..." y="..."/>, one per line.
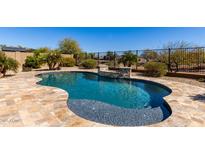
<point x="110" y="55"/>
<point x="128" y="59"/>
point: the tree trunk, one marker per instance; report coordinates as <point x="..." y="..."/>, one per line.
<point x="50" y="66"/>
<point x="177" y="67"/>
<point x="3" y="72"/>
<point x="54" y="64"/>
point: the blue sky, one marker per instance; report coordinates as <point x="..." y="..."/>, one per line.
<point x="101" y="39"/>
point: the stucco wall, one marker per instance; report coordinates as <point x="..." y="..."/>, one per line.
<point x="21" y="56"/>
<point x="66" y="55"/>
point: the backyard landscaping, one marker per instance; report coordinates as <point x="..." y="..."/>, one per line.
<point x="24" y="102"/>
<point x="30" y="104"/>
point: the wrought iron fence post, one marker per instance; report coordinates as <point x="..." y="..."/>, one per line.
<point x="114" y="59"/>
<point x="198" y="60"/>
<point x="169" y="60"/>
<point x="136" y="59"/>
<point x="98" y="58"/>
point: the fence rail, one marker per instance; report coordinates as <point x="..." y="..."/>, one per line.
<point x="176" y="59"/>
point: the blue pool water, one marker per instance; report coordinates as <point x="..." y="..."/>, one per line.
<point x="130" y="94"/>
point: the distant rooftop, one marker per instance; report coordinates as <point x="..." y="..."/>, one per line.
<point x="14" y="49"/>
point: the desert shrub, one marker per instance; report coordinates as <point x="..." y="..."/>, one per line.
<point x="155" y="69"/>
<point x="53" y="59"/>
<point x="89" y="63"/>
<point x="32" y="62"/>
<point x="2" y="59"/>
<point x="68" y="62"/>
<point x="7" y="63"/>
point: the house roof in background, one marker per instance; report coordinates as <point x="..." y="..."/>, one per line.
<point x="14" y="49"/>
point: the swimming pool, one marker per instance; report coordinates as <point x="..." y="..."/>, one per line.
<point x="107" y="100"/>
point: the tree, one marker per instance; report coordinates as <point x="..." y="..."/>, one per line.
<point x="53" y="59"/>
<point x="196" y="57"/>
<point x="7" y="63"/>
<point x="177" y="55"/>
<point x="128" y="59"/>
<point x="2" y="60"/>
<point x="69" y="46"/>
<point x="80" y="57"/>
<point x="150" y="55"/>
<point x="177" y="44"/>
<point x="110" y="55"/>
<point x="163" y="57"/>
<point x="90" y="55"/>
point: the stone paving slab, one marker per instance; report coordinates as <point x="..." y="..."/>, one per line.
<point x="25" y="103"/>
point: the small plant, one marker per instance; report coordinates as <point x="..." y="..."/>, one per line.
<point x="155" y="69"/>
<point x="89" y="63"/>
<point x="68" y="62"/>
<point x="7" y="63"/>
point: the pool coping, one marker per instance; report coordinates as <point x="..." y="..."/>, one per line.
<point x="187" y="110"/>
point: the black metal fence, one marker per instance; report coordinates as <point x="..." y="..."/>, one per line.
<point x="176" y="60"/>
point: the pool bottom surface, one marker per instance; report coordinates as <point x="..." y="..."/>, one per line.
<point x="113" y="115"/>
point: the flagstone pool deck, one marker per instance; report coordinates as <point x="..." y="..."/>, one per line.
<point x="23" y="103"/>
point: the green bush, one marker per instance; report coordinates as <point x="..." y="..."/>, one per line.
<point x="89" y="63"/>
<point x="31" y="62"/>
<point x="53" y="58"/>
<point x="155" y="69"/>
<point x="68" y="62"/>
<point x="34" y="61"/>
<point x="7" y="63"/>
